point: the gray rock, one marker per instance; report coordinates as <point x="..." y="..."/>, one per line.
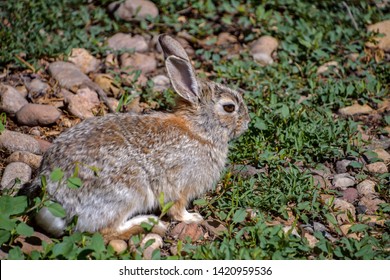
<point x="81" y="103"/>
<point x="343" y="181"/>
<point x="37" y="114"/>
<point x="341" y="166"/>
<point x="344" y="211"/>
<point x="138" y="61"/>
<point x="10" y="100"/>
<point x="366" y="188"/>
<point x="377" y="167"/>
<point x="84" y="60"/>
<point x="263" y="48"/>
<point x="350" y="195"/>
<point x="67" y="74"/>
<point x="245" y="171"/>
<point x="355" y="109"/>
<point x="122" y="41"/>
<point x="370" y="204"/>
<point x="134" y="9"/>
<point x="15" y="141"/>
<point x="13" y="172"/>
<point x="161" y="82"/>
<point x="319" y="227"/>
<point x="34" y="161"/>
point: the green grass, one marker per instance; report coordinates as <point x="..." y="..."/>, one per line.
<point x="283" y="133"/>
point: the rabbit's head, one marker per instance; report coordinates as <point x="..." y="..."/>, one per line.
<point x="212" y="109"/>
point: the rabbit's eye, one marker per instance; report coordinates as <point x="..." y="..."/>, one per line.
<point x="229" y="108"/>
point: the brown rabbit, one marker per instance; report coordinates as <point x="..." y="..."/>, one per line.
<point x="180" y="154"/>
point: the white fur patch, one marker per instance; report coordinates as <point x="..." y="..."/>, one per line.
<point x="50" y="223"/>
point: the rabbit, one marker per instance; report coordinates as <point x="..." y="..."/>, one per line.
<point x="139" y="156"/>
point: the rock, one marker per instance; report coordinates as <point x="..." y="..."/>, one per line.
<point x="138" y="61"/>
<point x="34" y="161"/>
<point x="371" y="204"/>
<point x="33" y="243"/>
<point x="113" y="102"/>
<point x="355" y="109"/>
<point x="37" y="114"/>
<point x="13" y="171"/>
<point x="350" y="195"/>
<point x="15" y="141"/>
<point x="118" y="245"/>
<point x="377" y="167"/>
<point x="321" y="181"/>
<point x="67" y="74"/>
<point x="345" y="230"/>
<point x="161" y="83"/>
<point x="341" y="166"/>
<point x="136" y="9"/>
<point x="157" y="243"/>
<point x="130" y="79"/>
<point x="382" y="27"/>
<point x="310" y="239"/>
<point x="214" y="226"/>
<point x="84" y="60"/>
<point x="10" y="100"/>
<point x="319" y="227"/>
<point x="81" y="103"/>
<point x="373" y="220"/>
<point x="344" y="211"/>
<point x="290" y="230"/>
<point x="263" y="48"/>
<point x="331" y="65"/>
<point x="366" y="188"/>
<point x="383" y="155"/>
<point x="245" y="171"/>
<point x="225" y="38"/>
<point x="122" y="41"/>
<point x="43" y="145"/>
<point x="343" y="181"/>
<point x="108" y="84"/>
<point x="37" y="88"/>
<point x="183" y="231"/>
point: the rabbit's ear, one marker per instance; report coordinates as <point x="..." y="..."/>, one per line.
<point x="183" y="78"/>
<point x="172" y="47"/>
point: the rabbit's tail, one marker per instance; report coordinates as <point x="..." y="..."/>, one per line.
<point x="136" y="225"/>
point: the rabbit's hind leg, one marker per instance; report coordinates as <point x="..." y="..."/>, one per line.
<point x="179" y="212"/>
<point x="134" y="226"/>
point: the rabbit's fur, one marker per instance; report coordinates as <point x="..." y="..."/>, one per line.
<point x="138" y="157"/>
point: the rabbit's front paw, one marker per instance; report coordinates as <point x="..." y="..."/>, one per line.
<point x="190" y="218"/>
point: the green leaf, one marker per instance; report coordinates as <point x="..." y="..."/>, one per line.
<point x="161" y="199"/>
<point x="56" y="175"/>
<point x="65" y="248"/>
<point x="56" y="209"/>
<point x="200" y="202"/>
<point x="387" y="119"/>
<point x="97" y="243"/>
<point x="5" y="235"/>
<point x="239" y="216"/>
<point x="331" y="219"/>
<point x="7" y="223"/>
<point x="358" y="228"/>
<point x="10" y="205"/>
<point x="166" y="207"/>
<point x="260" y="124"/>
<point x="74" y="182"/>
<point x="355" y="164"/>
<point x="25" y="230"/>
<point x="15" y="254"/>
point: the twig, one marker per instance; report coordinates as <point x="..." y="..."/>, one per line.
<point x="350" y="15"/>
<point x="32" y="68"/>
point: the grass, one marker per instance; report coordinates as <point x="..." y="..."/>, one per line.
<point x="286" y="132"/>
